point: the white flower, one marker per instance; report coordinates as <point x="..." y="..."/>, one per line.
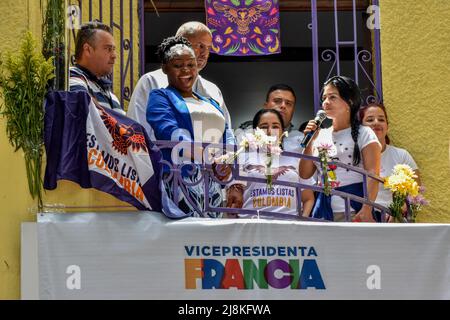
<point x="223" y="158"/>
<point x="275" y="150"/>
<point x="259" y="136"/>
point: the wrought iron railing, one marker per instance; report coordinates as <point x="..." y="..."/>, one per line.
<point x="175" y="170"/>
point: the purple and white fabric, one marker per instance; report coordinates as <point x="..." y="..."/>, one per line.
<point x="100" y="148"/>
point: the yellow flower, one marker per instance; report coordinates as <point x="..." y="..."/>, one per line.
<point x="332" y="175"/>
<point x="414" y="189"/>
<point x="404" y="169"/>
<point x="402" y="181"/>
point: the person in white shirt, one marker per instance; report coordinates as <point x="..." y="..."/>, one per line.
<point x="280" y="97"/>
<point x="375" y="116"/>
<point x="351" y="144"/>
<point x="259" y="196"/>
<point x="200" y="38"/>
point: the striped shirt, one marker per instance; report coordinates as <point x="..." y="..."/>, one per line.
<point x="81" y="79"/>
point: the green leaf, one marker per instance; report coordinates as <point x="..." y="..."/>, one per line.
<point x="255" y="48"/>
<point x="23" y="82"/>
<point x="236" y="2"/>
<point x="248" y="2"/>
<point x="233" y="49"/>
<point x="274" y="30"/>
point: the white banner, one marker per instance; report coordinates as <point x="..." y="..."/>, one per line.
<point x="146" y="256"/>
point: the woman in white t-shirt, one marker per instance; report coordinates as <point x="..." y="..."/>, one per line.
<point x="258" y="195"/>
<point x="375" y="117"/>
<point x="351" y="144"/>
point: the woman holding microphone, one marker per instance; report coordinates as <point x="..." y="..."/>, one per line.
<point x="351" y="144"/>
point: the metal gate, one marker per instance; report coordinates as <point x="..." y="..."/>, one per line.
<point x="126" y="18"/>
<point x="363" y="58"/>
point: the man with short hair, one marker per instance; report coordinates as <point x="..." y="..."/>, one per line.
<point x="200" y="37"/>
<point x="95" y="54"/>
<point x="282" y="98"/>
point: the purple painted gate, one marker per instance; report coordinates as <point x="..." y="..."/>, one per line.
<point x="122" y="21"/>
<point x="362" y="58"/>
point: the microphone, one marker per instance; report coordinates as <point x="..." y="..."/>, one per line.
<point x="320" y="116"/>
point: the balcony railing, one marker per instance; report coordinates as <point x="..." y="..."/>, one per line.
<point x="174" y="174"/>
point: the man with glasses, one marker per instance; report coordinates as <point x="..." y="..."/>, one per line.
<point x="200" y="37"/>
<point x="95" y="55"/>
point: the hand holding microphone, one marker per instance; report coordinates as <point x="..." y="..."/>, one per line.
<point x="313" y="125"/>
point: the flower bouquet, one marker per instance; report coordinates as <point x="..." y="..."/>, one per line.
<point x="329" y="179"/>
<point x="261" y="142"/>
<point x="404" y="189"/>
<point x="415" y="204"/>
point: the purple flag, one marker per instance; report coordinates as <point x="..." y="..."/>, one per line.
<point x="100" y="148"/>
<point x="244" y="27"/>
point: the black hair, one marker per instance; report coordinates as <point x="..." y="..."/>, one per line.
<point x="168" y="43"/>
<point x="262" y="112"/>
<point x="350" y="93"/>
<point x="280" y="86"/>
<point x="87" y="33"/>
<point x="362" y="113"/>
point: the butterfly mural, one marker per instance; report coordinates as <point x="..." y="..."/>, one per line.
<point x="244" y="27"/>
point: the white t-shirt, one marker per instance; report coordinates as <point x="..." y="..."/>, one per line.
<point x="280" y="199"/>
<point x="137" y="108"/>
<point x="342" y="151"/>
<point x="208" y="122"/>
<point x="389" y="159"/>
<point x="292" y="142"/>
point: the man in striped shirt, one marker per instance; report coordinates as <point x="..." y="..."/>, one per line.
<point x="95" y="55"/>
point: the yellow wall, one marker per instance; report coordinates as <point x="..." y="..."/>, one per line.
<point x="415" y="39"/>
<point x="14" y="199"/>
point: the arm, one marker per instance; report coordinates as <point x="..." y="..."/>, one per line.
<point x="308" y="202"/>
<point x="371" y="157"/>
<point x="161" y="116"/>
<point x="226" y="114"/>
<point x="235" y="196"/>
<point x="418" y="180"/>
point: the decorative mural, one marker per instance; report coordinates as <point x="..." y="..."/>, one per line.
<point x="244" y="27"/>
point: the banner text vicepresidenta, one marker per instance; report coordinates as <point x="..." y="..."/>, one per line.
<point x="251" y="267"/>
